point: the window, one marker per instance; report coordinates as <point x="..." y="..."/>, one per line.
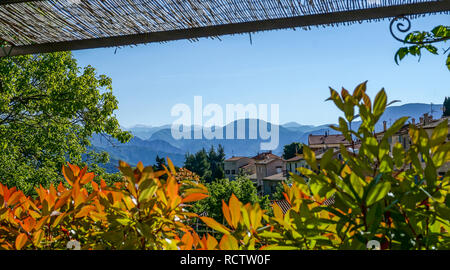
<point x="233" y="172"/>
<point x="227" y="171"/>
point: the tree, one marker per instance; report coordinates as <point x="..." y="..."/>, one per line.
<point x="216" y="163"/>
<point x="446" y="106"/>
<point x="291" y="150"/>
<point x="279" y="190"/>
<point x="198" y="163"/>
<point x="208" y="165"/>
<point x="159" y="163"/>
<point x="49" y="109"/>
<point x="221" y="189"/>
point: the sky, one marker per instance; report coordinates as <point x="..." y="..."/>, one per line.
<point x="293" y="69"/>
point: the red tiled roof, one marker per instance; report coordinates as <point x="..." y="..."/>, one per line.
<point x="327" y="139"/>
<point x="265" y="155"/>
<point x="235" y="158"/>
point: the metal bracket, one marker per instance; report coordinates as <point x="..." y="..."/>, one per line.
<point x="405" y="29"/>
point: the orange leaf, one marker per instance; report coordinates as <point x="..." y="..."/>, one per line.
<point x="28" y="224"/>
<point x="85" y="211"/>
<point x="211" y="242"/>
<point x="215" y="225"/>
<point x="172" y="168"/>
<point x="228" y="242"/>
<point x="61" y="187"/>
<point x="140" y="166"/>
<point x="194" y="197"/>
<point x="226" y="213"/>
<point x="235" y="209"/>
<point x="68" y="174"/>
<point x="87" y="178"/>
<point x="188" y="241"/>
<point x="172" y="188"/>
<point x="21" y="240"/>
<point x="63" y="200"/>
<point x="75" y="169"/>
<point x="278" y="213"/>
<point x="14" y="198"/>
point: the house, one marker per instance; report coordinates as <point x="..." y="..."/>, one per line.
<point x="428" y="125"/>
<point x="402" y="136"/>
<point x="270" y="183"/>
<point x="238" y="165"/>
<point x="326" y="141"/>
<point x="270" y="171"/>
<point x="296" y="162"/>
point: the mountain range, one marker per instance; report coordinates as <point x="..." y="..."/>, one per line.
<point x="150" y="141"/>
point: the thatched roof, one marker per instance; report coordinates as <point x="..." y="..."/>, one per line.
<point x="33" y="26"/>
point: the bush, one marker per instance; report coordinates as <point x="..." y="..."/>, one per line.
<point x="379" y="193"/>
<point x="142" y="212"/>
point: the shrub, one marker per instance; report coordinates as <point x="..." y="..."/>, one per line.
<point x="380" y="193"/>
<point x="142" y="212"/>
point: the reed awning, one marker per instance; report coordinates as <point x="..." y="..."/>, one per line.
<point x="38" y="26"/>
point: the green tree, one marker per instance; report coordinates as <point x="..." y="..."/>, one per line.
<point x="159" y="163"/>
<point x="221" y="189"/>
<point x="198" y="163"/>
<point x="291" y="150"/>
<point x="446" y="106"/>
<point x="208" y="165"/>
<point x="49" y="109"/>
<point x="216" y="163"/>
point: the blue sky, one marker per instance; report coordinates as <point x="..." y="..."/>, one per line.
<point x="291" y="68"/>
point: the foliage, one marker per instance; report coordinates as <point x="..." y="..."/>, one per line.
<point x="216" y="161"/>
<point x="209" y="165"/>
<point x="222" y="189"/>
<point x="291" y="150"/>
<point x="279" y="190"/>
<point x="49" y="109"/>
<point x="142" y="212"/>
<point x="446" y="106"/>
<point x="423" y="40"/>
<point x="381" y="193"/>
<point x="160" y="163"/>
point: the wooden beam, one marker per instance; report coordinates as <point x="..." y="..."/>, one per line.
<point x="237" y="28"/>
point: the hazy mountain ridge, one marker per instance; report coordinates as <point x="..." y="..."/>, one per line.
<point x="159" y="140"/>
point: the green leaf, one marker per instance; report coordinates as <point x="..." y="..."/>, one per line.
<point x="357" y="185"/>
<point x="398" y="124"/>
<point x="310" y="157"/>
<point x="378" y="192"/>
<point x="326" y="158"/>
<point x="379" y="104"/>
<point x="399" y="154"/>
<point x="148" y="192"/>
<point x="439" y="133"/>
<point x="401" y="53"/>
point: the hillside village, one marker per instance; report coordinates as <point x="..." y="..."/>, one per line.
<point x="267" y="170"/>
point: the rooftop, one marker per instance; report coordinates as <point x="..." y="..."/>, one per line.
<point x="275" y="177"/>
<point x="235" y="158"/>
<point x="327" y="139"/>
<point x="296" y="158"/>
